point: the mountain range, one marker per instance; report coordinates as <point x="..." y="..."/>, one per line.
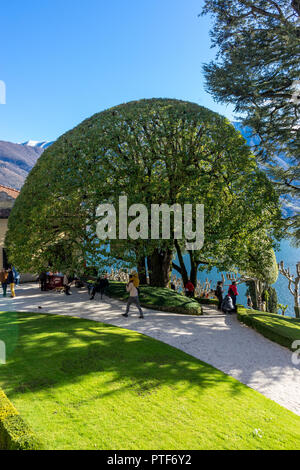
<point x="16" y="161"/>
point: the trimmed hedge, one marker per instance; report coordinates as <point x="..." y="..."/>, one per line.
<point x="14" y="432"/>
<point x="157" y="298"/>
<point x="205" y="301"/>
<point x="281" y="330"/>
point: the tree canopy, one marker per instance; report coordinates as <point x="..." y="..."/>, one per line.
<point x="154" y="151"/>
<point x="257" y="69"/>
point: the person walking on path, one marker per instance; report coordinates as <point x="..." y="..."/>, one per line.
<point x="16" y="276"/>
<point x="100" y="286"/>
<point x="219" y="294"/>
<point x="232" y="291"/>
<point x="133" y="298"/>
<point x="3" y="280"/>
<point x="67" y="282"/>
<point x="11" y="282"/>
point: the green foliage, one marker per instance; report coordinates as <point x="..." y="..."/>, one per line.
<point x="205" y="301"/>
<point x="260" y="264"/>
<point x="281" y="330"/>
<point x="256" y="68"/>
<point x="158" y="298"/>
<point x="153" y="151"/>
<point x="272" y="305"/>
<point x="14" y="432"/>
<point x="283" y="308"/>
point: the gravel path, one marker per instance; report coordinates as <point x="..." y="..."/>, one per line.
<point x="219" y="340"/>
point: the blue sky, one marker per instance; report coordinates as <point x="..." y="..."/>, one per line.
<point x="64" y="60"/>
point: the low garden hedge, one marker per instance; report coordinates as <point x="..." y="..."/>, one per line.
<point x="157" y="298"/>
<point x="277" y="328"/>
<point x="204" y="301"/>
<point x="14" y="432"/>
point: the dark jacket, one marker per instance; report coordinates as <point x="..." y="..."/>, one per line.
<point x="10" y="278"/>
<point x="101" y="284"/>
<point x="219" y="292"/>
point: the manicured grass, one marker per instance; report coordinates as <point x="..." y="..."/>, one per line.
<point x="158" y="298"/>
<point x="282" y="330"/>
<point x="85" y="385"/>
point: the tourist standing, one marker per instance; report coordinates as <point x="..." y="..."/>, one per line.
<point x="249" y="302"/>
<point x="189" y="289"/>
<point x="100" y="286"/>
<point x="232" y="291"/>
<point x="43" y="280"/>
<point x="3" y="280"/>
<point x="104" y="286"/>
<point x="16" y="276"/>
<point x="219" y="294"/>
<point x="11" y="282"/>
<point x="133" y="298"/>
<point x="67" y="284"/>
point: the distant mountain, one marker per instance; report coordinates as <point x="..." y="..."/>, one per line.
<point x="16" y="161"/>
<point x="36" y="144"/>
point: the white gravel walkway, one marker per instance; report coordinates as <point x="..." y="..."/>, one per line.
<point x="219" y="340"/>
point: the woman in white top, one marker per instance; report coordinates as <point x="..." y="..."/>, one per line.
<point x="133" y="298"/>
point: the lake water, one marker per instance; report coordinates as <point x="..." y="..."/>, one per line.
<point x="287" y="253"/>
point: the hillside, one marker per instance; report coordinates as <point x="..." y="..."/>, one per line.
<point x="15" y="163"/>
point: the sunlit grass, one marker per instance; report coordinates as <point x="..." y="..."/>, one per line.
<point x="86" y="385"/>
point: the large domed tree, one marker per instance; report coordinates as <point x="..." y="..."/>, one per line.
<point x="153" y="151"/>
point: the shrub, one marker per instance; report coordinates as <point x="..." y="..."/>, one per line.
<point x="158" y="298"/>
<point x="272" y="300"/>
<point x="204" y="301"/>
<point x="14" y="432"/>
<point x="281" y="330"/>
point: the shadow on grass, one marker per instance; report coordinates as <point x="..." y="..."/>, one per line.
<point x="53" y="350"/>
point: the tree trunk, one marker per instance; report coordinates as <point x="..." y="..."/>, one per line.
<point x="183" y="271"/>
<point x="296" y="300"/>
<point x="142" y="270"/>
<point x="194" y="269"/>
<point x="256" y="304"/>
<point x="159" y="266"/>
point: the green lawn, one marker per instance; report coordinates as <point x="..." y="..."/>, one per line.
<point x="86" y="385"/>
<point x="158" y="298"/>
<point x="282" y="330"/>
